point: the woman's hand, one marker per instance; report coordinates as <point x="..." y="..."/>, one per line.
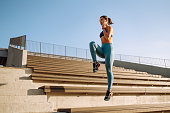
<point x="104" y="25"/>
<point x="109" y="32"/>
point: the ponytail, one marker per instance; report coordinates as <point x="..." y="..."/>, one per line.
<point x="110" y="21"/>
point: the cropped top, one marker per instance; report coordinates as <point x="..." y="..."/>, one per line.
<point x="101" y="34"/>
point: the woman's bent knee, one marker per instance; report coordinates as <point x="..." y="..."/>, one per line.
<point x="91" y="43"/>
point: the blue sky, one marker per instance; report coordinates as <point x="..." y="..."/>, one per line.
<point x="142" y="27"/>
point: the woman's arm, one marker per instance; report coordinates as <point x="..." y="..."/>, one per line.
<point x="109" y="33"/>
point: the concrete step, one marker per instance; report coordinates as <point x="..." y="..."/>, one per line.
<point x="27" y="107"/>
<point x="17" y="76"/>
<point x="97" y="101"/>
<point x="21" y="92"/>
<point x="23" y="99"/>
<point x="18" y="85"/>
<point x="12" y="70"/>
<point x="21" y="85"/>
<point x="23" y="77"/>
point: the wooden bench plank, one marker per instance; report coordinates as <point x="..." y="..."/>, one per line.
<point x="65" y="60"/>
<point x="73" y="75"/>
<point x="52" y="58"/>
<point x="102" y="81"/>
<point x="141" y="106"/>
<point x="70" y="80"/>
<point x="62" y="65"/>
<point x="68" y="73"/>
<point x="51" y="70"/>
<point x="104" y="77"/>
<point x="90" y="74"/>
<point x="64" y="70"/>
<point x="119" y="90"/>
<point x="46" y="59"/>
<point x="89" y="69"/>
<point x="121" y="108"/>
<point x="31" y="61"/>
<point x="115" y="68"/>
<point x="68" y="62"/>
<point x="57" y="65"/>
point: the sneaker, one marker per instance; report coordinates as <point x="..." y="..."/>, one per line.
<point x="108" y="95"/>
<point x="96" y="65"/>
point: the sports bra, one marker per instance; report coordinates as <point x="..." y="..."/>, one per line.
<point x="102" y="34"/>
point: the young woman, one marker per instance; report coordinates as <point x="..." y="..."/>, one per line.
<point x="105" y="51"/>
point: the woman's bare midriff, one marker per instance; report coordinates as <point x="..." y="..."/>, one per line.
<point x="103" y="40"/>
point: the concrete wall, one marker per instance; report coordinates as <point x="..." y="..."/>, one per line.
<point x="3" y="56"/>
<point x="16" y="57"/>
<point x="144" y="68"/>
<point x="3" y="52"/>
<point x="18" y="94"/>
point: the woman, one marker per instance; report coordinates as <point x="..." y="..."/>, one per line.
<point x="105" y="51"/>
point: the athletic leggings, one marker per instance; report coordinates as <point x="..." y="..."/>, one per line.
<point x="106" y="51"/>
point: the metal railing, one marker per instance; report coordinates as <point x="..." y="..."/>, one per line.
<point x="144" y="60"/>
<point x="79" y="53"/>
<point x="53" y="49"/>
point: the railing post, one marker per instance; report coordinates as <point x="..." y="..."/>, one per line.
<point x="86" y="54"/>
<point x="65" y="52"/>
<point x="120" y="57"/>
<point x="40" y="48"/>
<point x="165" y="62"/>
<point x="53" y="50"/>
<point x="76" y="52"/>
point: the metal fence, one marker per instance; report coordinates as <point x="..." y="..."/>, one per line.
<point x="53" y="49"/>
<point x="144" y="60"/>
<point x="66" y="51"/>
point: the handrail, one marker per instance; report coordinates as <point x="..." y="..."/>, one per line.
<point x="61" y="50"/>
<point x="144" y="60"/>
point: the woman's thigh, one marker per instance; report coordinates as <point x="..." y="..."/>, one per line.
<point x="109" y="55"/>
<point x="99" y="51"/>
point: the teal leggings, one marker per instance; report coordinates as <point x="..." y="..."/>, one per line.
<point x="106" y="51"/>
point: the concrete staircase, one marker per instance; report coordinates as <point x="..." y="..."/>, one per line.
<point x="22" y="93"/>
<point x="131" y="87"/>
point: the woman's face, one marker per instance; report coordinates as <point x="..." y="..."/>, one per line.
<point x="103" y="21"/>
